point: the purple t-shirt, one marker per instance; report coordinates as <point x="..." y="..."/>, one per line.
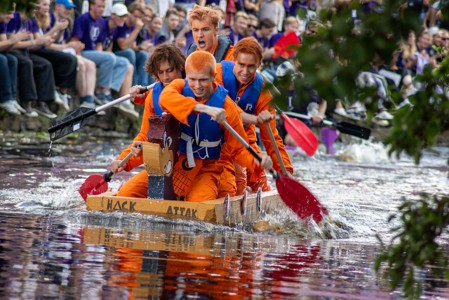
<point x="108" y="37"/>
<point x="2" y="28"/>
<point x="88" y="30"/>
<point x="263" y="41"/>
<point x="274" y="38"/>
<point x="15" y="24"/>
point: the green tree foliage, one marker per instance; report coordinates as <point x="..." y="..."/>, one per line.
<point x="24" y="6"/>
<point x="330" y="62"/>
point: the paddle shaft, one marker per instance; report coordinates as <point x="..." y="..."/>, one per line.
<point x="276" y="148"/>
<point x="75" y="122"/>
<point x="246" y="145"/>
<point x="344" y="127"/>
<point x="107" y="176"/>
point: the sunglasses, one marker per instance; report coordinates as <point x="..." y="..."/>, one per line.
<point x="445" y="39"/>
<point x="251" y="26"/>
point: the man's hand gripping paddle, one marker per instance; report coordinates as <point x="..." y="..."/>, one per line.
<point x="96" y="184"/>
<point x="296" y="196"/>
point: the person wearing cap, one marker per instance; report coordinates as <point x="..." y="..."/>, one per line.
<point x="205" y="25"/>
<point x="201" y="105"/>
<point x="87" y="71"/>
<point x="126" y="44"/>
<point x="89" y="29"/>
<point x="113" y="29"/>
<point x="248" y="89"/>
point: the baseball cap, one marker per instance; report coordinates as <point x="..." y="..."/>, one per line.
<point x="119" y="9"/>
<point x="285" y="68"/>
<point x="66" y="3"/>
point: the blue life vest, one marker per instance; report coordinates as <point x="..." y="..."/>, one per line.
<point x="249" y="98"/>
<point x="203" y="137"/>
<point x="157" y="90"/>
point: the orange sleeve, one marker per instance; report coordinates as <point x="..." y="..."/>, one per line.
<point x="263" y="103"/>
<point x="175" y="103"/>
<point x="134" y="161"/>
<point x="233" y="148"/>
<point x="219" y="76"/>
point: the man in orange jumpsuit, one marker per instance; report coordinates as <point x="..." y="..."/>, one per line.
<point x="246" y="87"/>
<point x="201" y="105"/>
<point x="204" y="23"/>
<point x="166" y="64"/>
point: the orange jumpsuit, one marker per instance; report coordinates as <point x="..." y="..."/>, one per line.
<point x="205" y="184"/>
<point x="263" y="103"/>
<point x="137" y="186"/>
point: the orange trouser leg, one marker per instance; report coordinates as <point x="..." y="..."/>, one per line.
<point x="227" y="182"/>
<point x="206" y="183"/>
<point x="240" y="179"/>
<point x="136" y="187"/>
<point x="258" y="179"/>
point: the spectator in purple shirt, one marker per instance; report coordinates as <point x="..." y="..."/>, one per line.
<point x="35" y="80"/>
<point x="113" y="30"/>
<point x="239" y="28"/>
<point x="64" y="64"/>
<point x="126" y="45"/>
<point x="111" y="71"/>
<point x="87" y="71"/>
<point x="8" y="67"/>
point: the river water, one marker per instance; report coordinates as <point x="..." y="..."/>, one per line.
<point x="51" y="247"/>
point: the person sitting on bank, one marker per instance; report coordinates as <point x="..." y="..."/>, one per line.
<point x="165" y="65"/>
<point x="201" y="105"/>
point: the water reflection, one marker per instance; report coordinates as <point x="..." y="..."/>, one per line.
<point x="51" y="247"/>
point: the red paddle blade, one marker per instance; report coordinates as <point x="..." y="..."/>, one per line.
<point x="299" y="199"/>
<point x="93" y="185"/>
<point x="301" y="134"/>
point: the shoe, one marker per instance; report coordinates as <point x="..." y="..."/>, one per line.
<point x="10" y="107"/>
<point x="404" y="102"/>
<point x="384" y="115"/>
<point x="128" y="109"/>
<point x="62" y="100"/>
<point x="92" y="105"/>
<point x="43" y="110"/>
<point x="341" y="112"/>
<point x="100" y="98"/>
<point x="19" y="108"/>
<point x="29" y="111"/>
<point x="109" y="97"/>
<point x="380" y="122"/>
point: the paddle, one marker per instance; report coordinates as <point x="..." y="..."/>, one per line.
<point x="328" y="137"/>
<point x="343" y="127"/>
<point x="296" y="196"/>
<point x="300" y="133"/>
<point x="76" y="119"/>
<point x="96" y="184"/>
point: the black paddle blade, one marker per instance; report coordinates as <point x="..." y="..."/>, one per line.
<point x="70" y="122"/>
<point x="352" y="129"/>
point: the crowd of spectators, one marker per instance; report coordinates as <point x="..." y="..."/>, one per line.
<point x="97" y="49"/>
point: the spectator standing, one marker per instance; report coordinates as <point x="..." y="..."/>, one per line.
<point x="252" y="7"/>
<point x="274" y="10"/>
